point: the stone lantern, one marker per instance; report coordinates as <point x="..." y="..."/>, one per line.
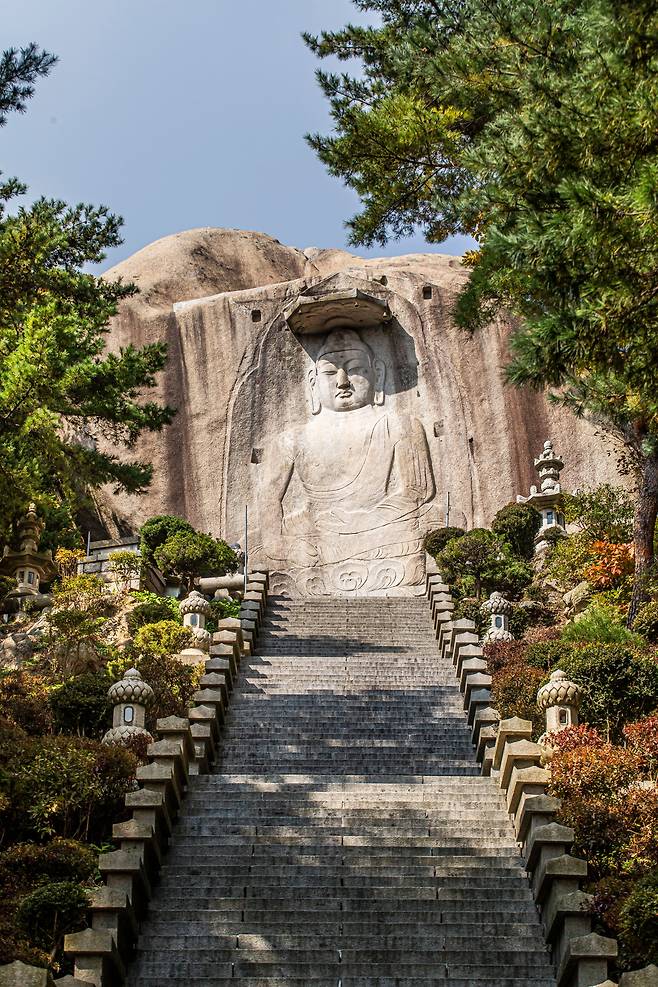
<point x="28" y="566"/>
<point x="498" y="609"/>
<point x="548" y="499"/>
<point x="560" y="700"/>
<point x="195" y="610"/>
<point x="130" y="697"/>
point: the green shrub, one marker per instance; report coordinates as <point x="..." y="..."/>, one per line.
<point x="638" y="920"/>
<point x="162" y="639"/>
<point x="155" y="532"/>
<point x="81" y="607"/>
<point x="81" y="706"/>
<point x="603" y="514"/>
<point x="481" y="560"/>
<point x="529" y="613"/>
<point x="186" y="555"/>
<point x="24" y="701"/>
<point x="646" y="622"/>
<point x="619" y="684"/>
<point x="51" y="911"/>
<point x="151" y="609"/>
<point x="600" y="624"/>
<point x="25" y="865"/>
<point x="65" y="786"/>
<point x="468" y="609"/>
<point x="514" y="693"/>
<point x="125" y="566"/>
<point x="220" y="609"/>
<point x="512" y="578"/>
<point x="15" y="946"/>
<point x="569" y="560"/>
<point x="436" y="541"/>
<point x="518" y="524"/>
<point x="546" y="655"/>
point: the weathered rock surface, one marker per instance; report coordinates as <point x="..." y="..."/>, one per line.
<point x="239" y="377"/>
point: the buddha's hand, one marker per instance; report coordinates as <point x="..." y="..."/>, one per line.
<point x="302" y="552"/>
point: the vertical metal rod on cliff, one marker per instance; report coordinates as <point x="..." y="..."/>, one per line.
<point x="448" y="509"/>
<point x="246" y="546"/>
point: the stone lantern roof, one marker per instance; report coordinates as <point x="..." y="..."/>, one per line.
<point x="195" y="603"/>
<point x="496" y="604"/>
<point x="131" y="689"/>
<point x="559" y="691"/>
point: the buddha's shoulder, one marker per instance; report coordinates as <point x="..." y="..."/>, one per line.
<point x="404" y="427"/>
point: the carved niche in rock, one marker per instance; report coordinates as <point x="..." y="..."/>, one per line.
<point x="349" y="489"/>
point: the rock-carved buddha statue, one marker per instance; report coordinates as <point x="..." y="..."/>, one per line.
<point x="366" y="481"/>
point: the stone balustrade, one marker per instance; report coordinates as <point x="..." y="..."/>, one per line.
<point x="182" y="748"/>
<point x="507" y="753"/>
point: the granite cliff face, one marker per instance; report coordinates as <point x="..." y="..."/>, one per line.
<point x="344" y="450"/>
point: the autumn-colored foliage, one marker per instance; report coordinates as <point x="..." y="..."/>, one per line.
<point x="607" y="796"/>
<point x="613" y="563"/>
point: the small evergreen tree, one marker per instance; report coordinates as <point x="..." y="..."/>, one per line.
<point x="155" y="532"/>
<point x="518" y="524"/>
<point x="61" y="392"/>
<point x="187" y="555"/>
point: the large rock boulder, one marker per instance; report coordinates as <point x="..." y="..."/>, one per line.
<point x="337" y="502"/>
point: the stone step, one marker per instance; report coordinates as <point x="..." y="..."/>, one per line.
<point x="345" y="979"/>
<point x="347" y="837"/>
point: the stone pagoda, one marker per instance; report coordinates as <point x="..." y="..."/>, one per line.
<point x="548" y="498"/>
<point x="27" y="565"/>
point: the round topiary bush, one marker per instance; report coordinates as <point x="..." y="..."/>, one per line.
<point x="435" y="541"/>
<point x="518" y="524"/>
<point x="80" y="705"/>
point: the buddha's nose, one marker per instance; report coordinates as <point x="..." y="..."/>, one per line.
<point x="342" y="380"/>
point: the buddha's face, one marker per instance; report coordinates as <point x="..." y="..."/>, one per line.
<point x="345" y="379"/>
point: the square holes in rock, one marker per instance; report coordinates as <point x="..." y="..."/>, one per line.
<point x="255" y="315"/>
<point x="427" y="291"/>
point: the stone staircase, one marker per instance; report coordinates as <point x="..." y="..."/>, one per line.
<point x="347" y="837"/>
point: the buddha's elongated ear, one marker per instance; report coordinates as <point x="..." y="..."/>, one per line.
<point x="380" y="378"/>
<point x="316" y="407"/>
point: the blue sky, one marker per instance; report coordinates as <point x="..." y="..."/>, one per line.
<point x="182" y="114"/>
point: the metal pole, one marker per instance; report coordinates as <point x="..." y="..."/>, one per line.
<point x="448" y="509"/>
<point x="246" y="546"/>
<point x="88" y="542"/>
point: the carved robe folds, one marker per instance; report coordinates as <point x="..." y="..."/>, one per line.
<point x="361" y="520"/>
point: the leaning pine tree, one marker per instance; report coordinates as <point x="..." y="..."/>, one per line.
<point x="531" y="126"/>
<point x="61" y="392"/>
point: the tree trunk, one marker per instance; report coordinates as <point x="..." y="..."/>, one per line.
<point x="644" y="525"/>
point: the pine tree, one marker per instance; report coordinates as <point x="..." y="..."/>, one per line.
<point x="64" y="398"/>
<point x="532" y="126"/>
